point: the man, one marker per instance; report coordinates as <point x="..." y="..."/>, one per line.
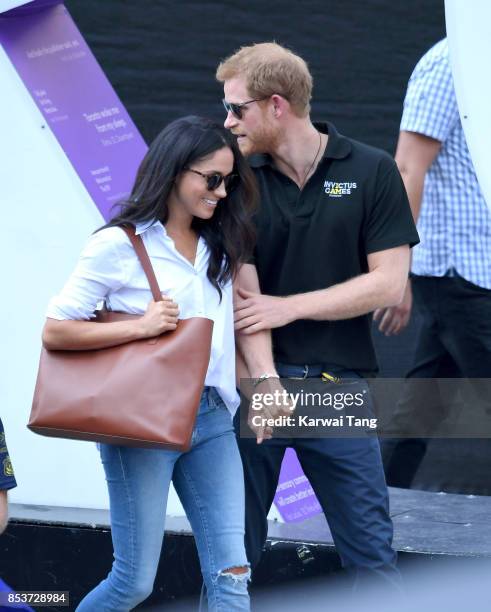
<point x="451" y="268"/>
<point x="7" y="479"/>
<point x="334" y="227"/>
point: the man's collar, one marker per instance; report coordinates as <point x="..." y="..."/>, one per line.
<point x="260" y="159"/>
<point x="338" y="147"/>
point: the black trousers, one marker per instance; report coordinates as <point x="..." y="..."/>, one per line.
<point x="348" y="479"/>
<point x="454" y="341"/>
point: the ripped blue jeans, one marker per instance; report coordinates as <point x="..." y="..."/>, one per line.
<point x="209" y="482"/>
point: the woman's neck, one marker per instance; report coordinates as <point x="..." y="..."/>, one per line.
<point x="180" y="225"/>
<point x="185" y="237"/>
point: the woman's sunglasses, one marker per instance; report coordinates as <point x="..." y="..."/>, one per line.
<point x="213" y="181"/>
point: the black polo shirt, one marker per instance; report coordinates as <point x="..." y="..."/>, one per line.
<point x="354" y="204"/>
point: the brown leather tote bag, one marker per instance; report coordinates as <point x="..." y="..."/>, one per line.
<point x="144" y="393"/>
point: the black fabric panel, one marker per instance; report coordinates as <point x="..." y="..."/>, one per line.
<point x="161" y="56"/>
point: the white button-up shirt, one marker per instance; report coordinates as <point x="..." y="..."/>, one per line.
<point x="109" y="270"/>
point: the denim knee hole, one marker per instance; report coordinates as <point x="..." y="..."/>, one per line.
<point x="237" y="578"/>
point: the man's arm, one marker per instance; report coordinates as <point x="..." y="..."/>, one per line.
<point x="414" y="155"/>
<point x="255" y="350"/>
<point x="255" y="355"/>
<point x="383" y="285"/>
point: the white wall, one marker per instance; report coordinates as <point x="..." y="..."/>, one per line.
<point x="469" y="42"/>
<point x="7" y="5"/>
<point x="46" y="217"/>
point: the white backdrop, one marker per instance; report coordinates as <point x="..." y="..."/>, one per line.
<point x="6" y="5"/>
<point x="46" y="217"/>
<point x="469" y="41"/>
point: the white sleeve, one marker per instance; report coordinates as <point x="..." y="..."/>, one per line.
<point x="99" y="272"/>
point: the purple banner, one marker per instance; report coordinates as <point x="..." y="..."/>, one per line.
<point x="295" y="498"/>
<point x="75" y="98"/>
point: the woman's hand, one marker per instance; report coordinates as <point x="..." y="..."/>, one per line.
<point x="160" y="317"/>
<point x="72" y="335"/>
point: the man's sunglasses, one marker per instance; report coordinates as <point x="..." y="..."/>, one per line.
<point x="213" y="181"/>
<point x="236" y="109"/>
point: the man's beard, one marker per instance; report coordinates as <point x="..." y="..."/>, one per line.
<point x="264" y="141"/>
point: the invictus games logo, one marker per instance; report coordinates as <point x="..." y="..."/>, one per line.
<point x="8" y="470"/>
<point x="337" y="190"/>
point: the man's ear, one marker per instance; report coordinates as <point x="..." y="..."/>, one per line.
<point x="278" y="105"/>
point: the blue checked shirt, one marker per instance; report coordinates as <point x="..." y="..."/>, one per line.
<point x="454" y="224"/>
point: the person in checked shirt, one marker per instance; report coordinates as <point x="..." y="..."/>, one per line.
<point x="451" y="267"/>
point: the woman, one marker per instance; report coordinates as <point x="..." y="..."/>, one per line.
<point x="191" y="203"/>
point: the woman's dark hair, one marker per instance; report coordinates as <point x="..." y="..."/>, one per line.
<point x="229" y="233"/>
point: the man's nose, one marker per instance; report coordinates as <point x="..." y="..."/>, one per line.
<point x="230" y="121"/>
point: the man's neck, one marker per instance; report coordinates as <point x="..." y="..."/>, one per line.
<point x="299" y="150"/>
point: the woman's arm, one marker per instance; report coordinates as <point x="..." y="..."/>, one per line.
<point x="85" y="335"/>
<point x="101" y="270"/>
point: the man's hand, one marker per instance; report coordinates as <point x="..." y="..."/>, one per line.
<point x="279" y="404"/>
<point x="256" y="312"/>
<point x="394" y="319"/>
<point x="262" y="431"/>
